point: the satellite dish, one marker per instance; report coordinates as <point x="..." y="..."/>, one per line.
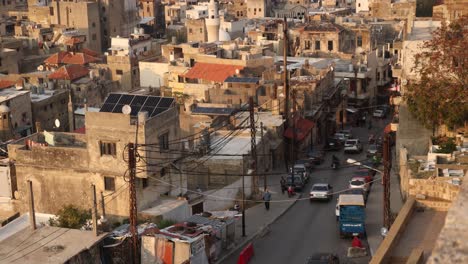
<point x="57" y="123"/>
<point x="126" y="109"/>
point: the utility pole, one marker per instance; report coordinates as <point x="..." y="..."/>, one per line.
<point x="253" y="144"/>
<point x="133" y="202"/>
<point x="32" y="213"/>
<point x="293" y="126"/>
<point x="285" y="68"/>
<point x="386" y="181"/>
<point x="94" y="209"/>
<point x="264" y="155"/>
<point x="243" y="198"/>
<point x="103" y="205"/>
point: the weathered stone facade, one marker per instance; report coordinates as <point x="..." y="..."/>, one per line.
<point x="196" y="30"/>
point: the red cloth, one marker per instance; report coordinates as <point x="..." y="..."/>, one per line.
<point x="356" y="243"/>
<point x="246" y="254"/>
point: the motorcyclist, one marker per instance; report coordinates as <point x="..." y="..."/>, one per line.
<point x="335" y="160"/>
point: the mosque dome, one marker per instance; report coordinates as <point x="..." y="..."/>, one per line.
<point x="224" y="36"/>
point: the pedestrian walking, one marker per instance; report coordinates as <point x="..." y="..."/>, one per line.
<point x="267" y="199"/>
<point x="283" y="184"/>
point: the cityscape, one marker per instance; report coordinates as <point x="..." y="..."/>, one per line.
<point x="233" y="131"/>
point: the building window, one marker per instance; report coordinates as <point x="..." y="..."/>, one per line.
<point x="330" y="45"/>
<point x="109" y="183"/>
<point x="147" y="9"/>
<point x="108" y="148"/>
<point x="238" y="13"/>
<point x="190" y="31"/>
<point x="164" y="141"/>
<point x="93" y="25"/>
<point x="359" y="41"/>
<point x="119" y="72"/>
<point x="144" y="182"/>
<point x="307" y="44"/>
<point x="93" y="37"/>
<point x="51" y="11"/>
<point x="201" y="30"/>
<point x="317" y="45"/>
<point x="51" y="106"/>
<point x="45" y="108"/>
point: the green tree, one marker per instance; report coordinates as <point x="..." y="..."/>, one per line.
<point x="71" y="217"/>
<point x="441" y="95"/>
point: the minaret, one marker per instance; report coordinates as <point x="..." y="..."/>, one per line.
<point x="212" y="22"/>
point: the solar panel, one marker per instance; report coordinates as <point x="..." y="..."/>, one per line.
<point x="154" y="105"/>
<point x="118" y="108"/>
<point x="126" y="99"/>
<point x="113" y="98"/>
<point x="158" y="110"/>
<point x="165" y="102"/>
<point x="107" y="107"/>
<point x="152" y="101"/>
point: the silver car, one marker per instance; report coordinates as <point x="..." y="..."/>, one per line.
<point x="321" y="191"/>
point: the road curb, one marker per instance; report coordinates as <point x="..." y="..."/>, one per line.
<point x="257" y="233"/>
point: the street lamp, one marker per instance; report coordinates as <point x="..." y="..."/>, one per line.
<point x="352" y="161"/>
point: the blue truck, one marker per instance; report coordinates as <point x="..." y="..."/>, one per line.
<point x="351" y="215"/>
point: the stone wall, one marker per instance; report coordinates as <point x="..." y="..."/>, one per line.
<point x="451" y="246"/>
<point x="434" y="189"/>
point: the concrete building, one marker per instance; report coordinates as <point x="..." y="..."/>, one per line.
<point x="154" y="12"/>
<point x="82" y="15"/>
<point x="256" y="9"/>
<point x="212" y="22"/>
<point x="295" y="11"/>
<point x="8" y="60"/>
<point x="449" y="10"/>
<point x="387" y="9"/>
<point x="70" y="162"/>
<point x="118" y="18"/>
<point x="18" y="102"/>
<point x="237" y="9"/>
<point x="47" y="107"/>
<point x="362" y="6"/>
<point x="124" y="55"/>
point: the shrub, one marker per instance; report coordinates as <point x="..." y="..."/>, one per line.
<point x="70" y="217"/>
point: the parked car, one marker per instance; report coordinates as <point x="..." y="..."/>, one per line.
<point x="367" y="174"/>
<point x="316" y="156"/>
<point x="298" y="183"/>
<point x="380" y="112"/>
<point x="353" y="146"/>
<point x="341" y="136"/>
<point x="359" y="183"/>
<point x="304" y="167"/>
<point x="321" y="191"/>
<point x="323" y="258"/>
<point x="373" y="150"/>
<point x="333" y="144"/>
<point x="346" y="132"/>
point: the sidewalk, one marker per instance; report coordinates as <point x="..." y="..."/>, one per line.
<point x="258" y="219"/>
<point x="374" y="208"/>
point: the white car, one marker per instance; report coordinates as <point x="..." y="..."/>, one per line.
<point x="353" y="145"/>
<point x="359" y="183"/>
<point x="378" y="113"/>
<point x="321" y="191"/>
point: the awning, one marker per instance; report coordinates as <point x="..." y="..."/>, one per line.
<point x="302" y="129"/>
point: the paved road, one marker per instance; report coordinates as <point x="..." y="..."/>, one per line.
<point x="308" y="227"/>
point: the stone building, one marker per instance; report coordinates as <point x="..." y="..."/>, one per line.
<point x="196" y="30"/>
<point x="256" y="9"/>
<point x="387" y="9"/>
<point x="237" y="8"/>
<point x="62" y="166"/>
<point x="321" y="38"/>
<point x="296" y="11"/>
<point x="450" y="10"/>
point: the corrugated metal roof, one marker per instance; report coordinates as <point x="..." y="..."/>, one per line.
<point x="242" y="80"/>
<point x="213" y="111"/>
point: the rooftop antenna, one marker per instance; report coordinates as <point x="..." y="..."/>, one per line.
<point x="126" y="109"/>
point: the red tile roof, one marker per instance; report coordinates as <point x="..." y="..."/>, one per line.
<point x="212" y="72"/>
<point x="78" y="58"/>
<point x="64" y="57"/>
<point x="303" y="128"/>
<point x="89" y="52"/>
<point x="69" y="72"/>
<point x="6" y="84"/>
<point x="56" y="58"/>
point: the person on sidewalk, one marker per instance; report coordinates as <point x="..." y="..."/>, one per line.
<point x="283" y="184"/>
<point x="267" y="199"/>
<point x="291" y="191"/>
